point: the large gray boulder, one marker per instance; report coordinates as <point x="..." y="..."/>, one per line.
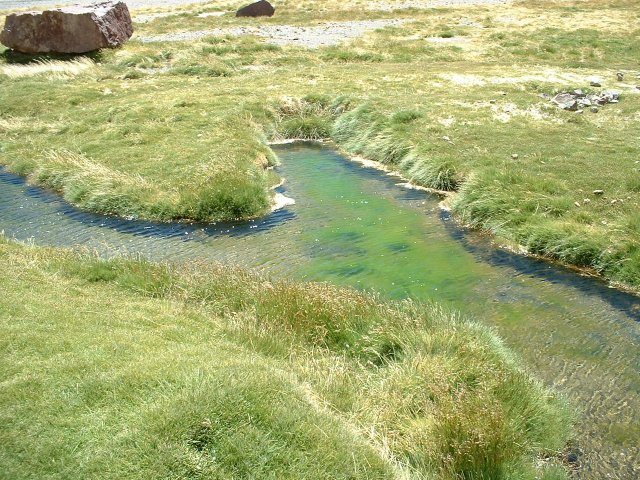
<point x="76" y="29"/>
<point x="257" y="9"/>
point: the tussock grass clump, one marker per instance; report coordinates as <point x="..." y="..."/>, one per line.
<point x="308" y="118"/>
<point x="366" y="131"/>
<point x="207" y="370"/>
<point x="202" y="70"/>
<point x="339" y="54"/>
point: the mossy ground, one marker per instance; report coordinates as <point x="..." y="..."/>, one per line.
<point x="177" y="130"/>
<point x="123" y="369"/>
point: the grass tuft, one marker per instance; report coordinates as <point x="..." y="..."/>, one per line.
<point x="199" y="370"/>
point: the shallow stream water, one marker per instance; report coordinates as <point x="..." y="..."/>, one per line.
<point x="355" y="226"/>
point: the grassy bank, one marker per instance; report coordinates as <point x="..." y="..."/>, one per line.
<point x="123" y="369"/>
<point x="178" y="130"/>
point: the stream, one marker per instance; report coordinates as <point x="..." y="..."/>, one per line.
<point x="355" y="226"/>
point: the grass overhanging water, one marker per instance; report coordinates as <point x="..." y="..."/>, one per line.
<point x="178" y="130"/>
<point x="204" y="371"/>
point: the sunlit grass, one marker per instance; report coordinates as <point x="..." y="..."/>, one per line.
<point x="192" y="119"/>
<point x="55" y="69"/>
<point x="120" y="368"/>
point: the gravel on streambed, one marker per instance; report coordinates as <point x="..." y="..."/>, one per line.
<point x="330" y="33"/>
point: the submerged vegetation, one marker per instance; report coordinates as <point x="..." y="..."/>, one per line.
<point x="173" y="130"/>
<point x="124" y="369"/>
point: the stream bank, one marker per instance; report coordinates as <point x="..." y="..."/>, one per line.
<point x="353" y="226"/>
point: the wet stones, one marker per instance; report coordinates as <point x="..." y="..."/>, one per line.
<point x="75" y="29"/>
<point x="257" y="9"/>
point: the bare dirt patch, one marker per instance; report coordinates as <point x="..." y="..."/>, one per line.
<point x="331" y="33"/>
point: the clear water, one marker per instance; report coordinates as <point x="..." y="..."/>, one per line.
<point x="354" y="226"/>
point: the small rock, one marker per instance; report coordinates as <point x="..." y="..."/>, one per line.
<point x="594" y="109"/>
<point x="613" y="202"/>
<point x="586" y="200"/>
<point x="493" y="101"/>
<point x="566" y="101"/>
<point x="572" y="458"/>
<point x="577" y="204"/>
<point x="514" y="156"/>
<point x="595" y="84"/>
<point x="257" y="9"/>
<point x="620" y="76"/>
<point x="580" y="111"/>
<point x="598" y="192"/>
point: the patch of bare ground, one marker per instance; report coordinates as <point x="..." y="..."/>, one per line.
<point x="331" y="33"/>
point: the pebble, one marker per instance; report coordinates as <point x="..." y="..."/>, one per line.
<point x="595" y="84"/>
<point x="514" y="156"/>
<point x="577" y="204"/>
<point x="594" y="109"/>
<point x="598" y="192"/>
<point x="620" y="76"/>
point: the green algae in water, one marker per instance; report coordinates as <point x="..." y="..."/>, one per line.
<point x="353" y="226"/>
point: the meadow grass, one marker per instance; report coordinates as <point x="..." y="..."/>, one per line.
<point x="125" y="369"/>
<point x="179" y="130"/>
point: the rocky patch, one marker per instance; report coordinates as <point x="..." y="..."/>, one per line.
<point x="578" y="100"/>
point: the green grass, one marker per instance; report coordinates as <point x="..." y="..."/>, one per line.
<point x="124" y="369"/>
<point x="179" y="131"/>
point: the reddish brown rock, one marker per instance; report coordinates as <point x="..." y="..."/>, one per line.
<point x="76" y="29"/>
<point x="257" y="9"/>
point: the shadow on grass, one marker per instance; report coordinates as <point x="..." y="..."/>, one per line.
<point x="17" y="58"/>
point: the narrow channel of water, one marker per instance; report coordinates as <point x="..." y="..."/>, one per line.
<point x="354" y="226"/>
